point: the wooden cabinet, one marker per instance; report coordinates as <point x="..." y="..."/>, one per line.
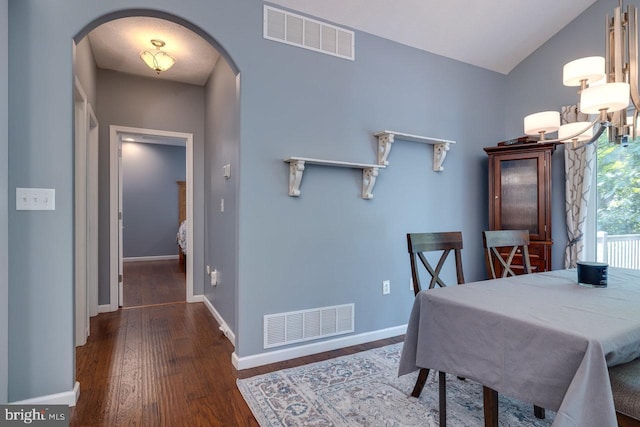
<point x="520" y="195"/>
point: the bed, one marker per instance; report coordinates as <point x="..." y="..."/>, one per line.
<point x="181" y="236"/>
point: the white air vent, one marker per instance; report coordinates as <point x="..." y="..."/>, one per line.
<point x="297" y="30"/>
<point x="305" y="325"/>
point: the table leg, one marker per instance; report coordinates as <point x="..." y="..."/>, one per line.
<point x="442" y="388"/>
<point x="490" y="397"/>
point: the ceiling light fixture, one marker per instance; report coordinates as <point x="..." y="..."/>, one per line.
<point x="606" y="85"/>
<point x="157" y="59"/>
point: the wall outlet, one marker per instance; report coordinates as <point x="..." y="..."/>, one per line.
<point x="386" y="287"/>
<point x="214" y="277"/>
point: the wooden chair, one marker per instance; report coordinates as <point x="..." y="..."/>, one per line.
<point x="418" y="244"/>
<point x="501" y="263"/>
<point x="625" y="386"/>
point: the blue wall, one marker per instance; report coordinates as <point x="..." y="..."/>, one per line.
<point x="221" y="228"/>
<point x="150" y="198"/>
<point x="326" y="247"/>
<point x="4" y="241"/>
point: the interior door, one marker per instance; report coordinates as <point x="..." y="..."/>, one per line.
<point x="120" y="226"/>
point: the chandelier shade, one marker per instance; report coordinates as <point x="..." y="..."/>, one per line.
<point x="588" y="70"/>
<point x="157" y="59"/>
<point x="609" y="96"/>
<point x="542" y="123"/>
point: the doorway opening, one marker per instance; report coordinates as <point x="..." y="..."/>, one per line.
<point x="119" y="135"/>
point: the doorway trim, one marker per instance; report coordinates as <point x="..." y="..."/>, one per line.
<point x="115" y="135"/>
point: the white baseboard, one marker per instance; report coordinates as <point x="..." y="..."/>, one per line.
<point x="150" y="258"/>
<point x="223" y="325"/>
<point x="196" y="298"/>
<point x="65" y="398"/>
<point x="306" y="350"/>
<point x="106" y="308"/>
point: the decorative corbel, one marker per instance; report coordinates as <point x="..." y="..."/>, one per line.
<point x="296" y="167"/>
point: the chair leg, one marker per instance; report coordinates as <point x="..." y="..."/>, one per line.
<point x="538" y="412"/>
<point x="442" y="388"/>
<point x="420" y="382"/>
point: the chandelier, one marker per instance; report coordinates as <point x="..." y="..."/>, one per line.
<point x="606" y="84"/>
<point x="157" y="59"/>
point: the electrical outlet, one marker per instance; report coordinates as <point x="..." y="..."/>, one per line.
<point x="386" y="287"/>
<point x="214" y="277"/>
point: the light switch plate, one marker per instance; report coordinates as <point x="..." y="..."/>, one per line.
<point x="35" y="199"/>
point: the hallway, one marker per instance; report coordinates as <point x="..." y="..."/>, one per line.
<point x="153" y="282"/>
<point x="158" y="365"/>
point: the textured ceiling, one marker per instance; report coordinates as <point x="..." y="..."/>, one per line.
<point x="117" y="45"/>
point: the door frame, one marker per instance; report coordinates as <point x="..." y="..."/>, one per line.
<point x="115" y="255"/>
<point x="85" y="223"/>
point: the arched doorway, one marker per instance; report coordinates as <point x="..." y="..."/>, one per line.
<point x="106" y="242"/>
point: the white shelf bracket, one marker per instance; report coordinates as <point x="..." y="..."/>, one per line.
<point x="384" y="147"/>
<point x="387" y="137"/>
<point x="296" y="167"/>
<point x="439" y="154"/>
<point x="369" y="176"/>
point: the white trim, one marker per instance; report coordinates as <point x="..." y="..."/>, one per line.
<point x="305" y="350"/>
<point x="224" y="328"/>
<point x="65" y="398"/>
<point x="150" y="258"/>
<point x="114" y="132"/>
<point x="105" y="308"/>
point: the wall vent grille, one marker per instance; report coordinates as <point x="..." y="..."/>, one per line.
<point x="297" y="30"/>
<point x="305" y="325"/>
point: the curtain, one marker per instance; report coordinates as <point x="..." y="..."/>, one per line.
<point x="578" y="167"/>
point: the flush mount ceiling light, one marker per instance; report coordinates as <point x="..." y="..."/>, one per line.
<point x="606" y="86"/>
<point x="157" y="59"/>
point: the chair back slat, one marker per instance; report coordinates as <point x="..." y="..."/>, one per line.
<point x="515" y="241"/>
<point x="420" y="243"/>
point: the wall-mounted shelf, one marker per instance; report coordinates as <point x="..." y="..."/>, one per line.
<point x="297" y="164"/>
<point x="386" y="138"/>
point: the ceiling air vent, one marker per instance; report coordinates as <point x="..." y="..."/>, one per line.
<point x="297" y="30"/>
<point x="305" y="325"/>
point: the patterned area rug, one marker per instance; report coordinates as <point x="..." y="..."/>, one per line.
<point x="364" y="390"/>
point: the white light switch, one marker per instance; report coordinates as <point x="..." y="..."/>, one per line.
<point x="35" y="199"/>
<point x="226" y="170"/>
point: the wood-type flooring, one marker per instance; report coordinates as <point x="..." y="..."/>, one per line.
<point x="166" y="365"/>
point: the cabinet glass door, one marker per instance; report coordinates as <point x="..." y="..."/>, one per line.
<point x="519" y="195"/>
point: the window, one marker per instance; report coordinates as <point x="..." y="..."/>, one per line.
<point x="617" y="207"/>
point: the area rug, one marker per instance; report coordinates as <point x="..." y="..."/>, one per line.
<point x="364" y="390"/>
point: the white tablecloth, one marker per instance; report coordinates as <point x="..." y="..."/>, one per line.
<point x="541" y="338"/>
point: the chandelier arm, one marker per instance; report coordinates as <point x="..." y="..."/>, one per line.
<point x="593" y="139"/>
<point x="603" y="125"/>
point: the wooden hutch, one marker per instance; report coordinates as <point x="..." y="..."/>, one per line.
<point x="520" y="195"/>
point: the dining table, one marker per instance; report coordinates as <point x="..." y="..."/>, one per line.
<point x="541" y="338"/>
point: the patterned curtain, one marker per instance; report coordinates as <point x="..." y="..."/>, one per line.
<point x="578" y="167"/>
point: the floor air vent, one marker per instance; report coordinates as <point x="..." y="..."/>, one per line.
<point x="305" y="325"/>
<point x="297" y="30"/>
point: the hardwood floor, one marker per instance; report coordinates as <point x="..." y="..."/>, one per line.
<point x="153" y="282"/>
<point x="166" y="365"/>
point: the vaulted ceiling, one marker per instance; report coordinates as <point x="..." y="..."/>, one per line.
<point x="492" y="34"/>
